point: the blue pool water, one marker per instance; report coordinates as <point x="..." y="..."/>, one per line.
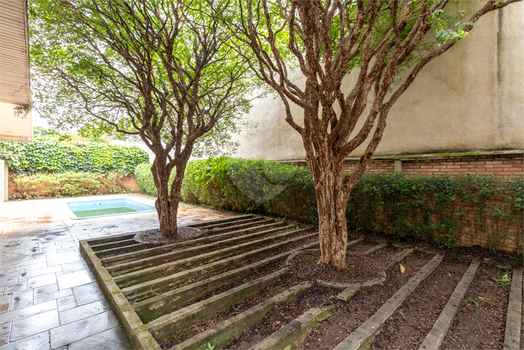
<point x="117" y="206"/>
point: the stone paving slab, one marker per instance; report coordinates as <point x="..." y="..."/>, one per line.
<point x="48" y="297"/>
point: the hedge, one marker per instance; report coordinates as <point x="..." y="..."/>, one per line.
<point x="60" y="157"/>
<point x="67" y="184"/>
<point x="144" y="179"/>
<point x="448" y="210"/>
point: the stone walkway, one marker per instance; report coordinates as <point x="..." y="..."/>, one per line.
<point x="48" y="297"/>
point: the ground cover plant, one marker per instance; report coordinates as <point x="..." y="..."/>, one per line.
<point x="158" y="69"/>
<point x="383" y="44"/>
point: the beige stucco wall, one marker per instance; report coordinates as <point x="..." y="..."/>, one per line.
<point x="470" y="98"/>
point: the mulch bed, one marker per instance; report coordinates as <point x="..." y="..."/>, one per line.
<point x="154" y="236"/>
<point x="360" y="268"/>
<point x="481" y="325"/>
<point x="349" y="316"/>
<point x="410" y="324"/>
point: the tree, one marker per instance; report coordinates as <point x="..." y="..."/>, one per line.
<point x="327" y="40"/>
<point x="159" y="69"/>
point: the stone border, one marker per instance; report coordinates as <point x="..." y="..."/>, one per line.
<point x="135" y="330"/>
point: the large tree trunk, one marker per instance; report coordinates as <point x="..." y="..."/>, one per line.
<point x="166" y="208"/>
<point x="331" y="203"/>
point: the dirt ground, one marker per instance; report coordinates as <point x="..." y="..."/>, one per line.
<point x="479" y="324"/>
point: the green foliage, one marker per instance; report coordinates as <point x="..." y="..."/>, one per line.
<point x="68" y="184"/>
<point x="440" y="208"/>
<point x="90" y="71"/>
<point x="437" y="208"/>
<point x="58" y="157"/>
<point x="144" y="179"/>
<point x="505" y="281"/>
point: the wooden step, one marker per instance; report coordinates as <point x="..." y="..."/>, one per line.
<point x="293" y="333"/>
<point x="220" y="221"/>
<point x="159" y="305"/>
<point x="114" y="260"/>
<point x="160" y="285"/>
<point x="143" y="275"/>
<point x="514" y="315"/>
<point x="436" y="335"/>
<point x="134" y="265"/>
<point x="205" y="309"/>
<point x="219" y="335"/>
<point x="365" y="333"/>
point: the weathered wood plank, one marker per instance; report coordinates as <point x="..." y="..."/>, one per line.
<point x="194" y="252"/>
<point x="514" y="316"/>
<point x="296" y="331"/>
<point x="436" y="335"/>
<point x="173" y="299"/>
<point x="114" y="260"/>
<point x="222" y="333"/>
<point x="237" y="225"/>
<point x="363" y="334"/>
<point x="125" y="242"/>
<point x="170" y="267"/>
<point x="197" y="312"/>
<point x="218" y="221"/>
<point x="101" y="240"/>
<point x="160" y="285"/>
<point x="375" y="248"/>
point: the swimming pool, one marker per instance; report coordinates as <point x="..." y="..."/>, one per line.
<point x="105" y="207"/>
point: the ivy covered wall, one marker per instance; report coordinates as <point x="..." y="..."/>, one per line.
<point x="63" y="156"/>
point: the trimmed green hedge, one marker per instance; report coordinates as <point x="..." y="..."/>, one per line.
<point x="440" y="208"/>
<point x="60" y="157"/>
<point x="67" y="184"/>
<point x="144" y="179"/>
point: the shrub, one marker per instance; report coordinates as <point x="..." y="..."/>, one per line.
<point x="144" y="179"/>
<point x="67" y="184"/>
<point x="444" y="209"/>
<point x="60" y="157"/>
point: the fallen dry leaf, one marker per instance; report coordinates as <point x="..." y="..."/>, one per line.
<point x="402" y="269"/>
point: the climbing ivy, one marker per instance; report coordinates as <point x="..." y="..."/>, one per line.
<point x="61" y="156"/>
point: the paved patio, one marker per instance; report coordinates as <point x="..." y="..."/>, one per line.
<point x="48" y="297"/>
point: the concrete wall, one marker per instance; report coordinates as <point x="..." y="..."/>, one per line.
<point x="470" y="98"/>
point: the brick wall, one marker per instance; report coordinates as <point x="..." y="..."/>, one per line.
<point x="500" y="165"/>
